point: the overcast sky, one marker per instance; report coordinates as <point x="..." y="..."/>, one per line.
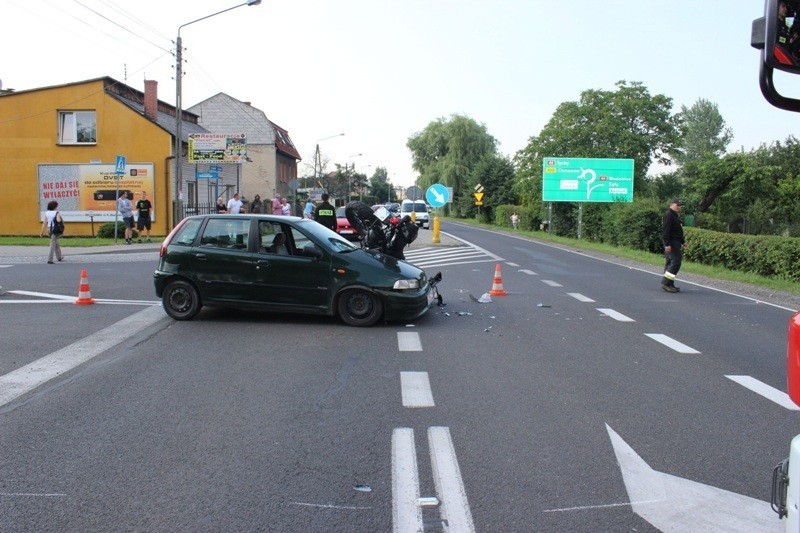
<point x="381" y="70"/>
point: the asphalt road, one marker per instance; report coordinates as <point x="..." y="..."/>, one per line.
<point x="552" y="408"/>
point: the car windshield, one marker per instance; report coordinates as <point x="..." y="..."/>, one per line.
<point x="420" y="208"/>
<point x="332" y="241"/>
<point x="340" y="212"/>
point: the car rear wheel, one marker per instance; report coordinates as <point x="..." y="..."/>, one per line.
<point x="359" y="307"/>
<point x="181" y="300"/>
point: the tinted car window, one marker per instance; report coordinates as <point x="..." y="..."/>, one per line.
<point x="420" y="208"/>
<point x="187" y="233"/>
<point x="226" y="233"/>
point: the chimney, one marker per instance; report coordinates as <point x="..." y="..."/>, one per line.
<point x="151" y="99"/>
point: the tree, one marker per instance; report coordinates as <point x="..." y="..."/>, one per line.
<point x="496" y="174"/>
<point x="703" y="133"/>
<point x="628" y="123"/>
<point x="379" y="185"/>
<point x="447" y="150"/>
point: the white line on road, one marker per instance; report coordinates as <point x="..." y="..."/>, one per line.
<point x="529" y="272"/>
<point x="509" y="263"/>
<point x="408" y="342"/>
<point x="60" y="298"/>
<point x="26" y="378"/>
<point x="551" y="283"/>
<point x="449" y="485"/>
<point x="416" y="389"/>
<point x="615" y="315"/>
<point x="406" y="514"/>
<point x="580" y="297"/>
<point x="331" y="506"/>
<point x="671" y="343"/>
<point x="770" y="393"/>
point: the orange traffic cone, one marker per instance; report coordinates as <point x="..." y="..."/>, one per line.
<point x="84" y="294"/>
<point x="497" y="286"/>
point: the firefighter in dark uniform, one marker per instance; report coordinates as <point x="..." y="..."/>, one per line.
<point x="325" y="213"/>
<point x="672" y="235"/>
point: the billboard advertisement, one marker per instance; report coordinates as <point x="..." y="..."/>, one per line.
<point x="568" y="179"/>
<point x="90" y="190"/>
<point x="217" y="148"/>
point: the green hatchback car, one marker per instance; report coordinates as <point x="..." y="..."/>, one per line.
<point x="284" y="264"/>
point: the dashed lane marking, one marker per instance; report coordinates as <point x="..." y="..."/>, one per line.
<point x="672" y="343"/>
<point x="770" y="393"/>
<point x="615" y="315"/>
<point x="580" y="297"/>
<point x="406" y="514"/>
<point x="551" y="283"/>
<point x="529" y="272"/>
<point x="408" y="342"/>
<point x="416" y="389"/>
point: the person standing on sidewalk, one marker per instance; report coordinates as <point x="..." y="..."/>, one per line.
<point x="672" y="236"/>
<point x="125" y="208"/>
<point x="49" y="216"/>
<point x="235" y="205"/>
<point x="144" y="222"/>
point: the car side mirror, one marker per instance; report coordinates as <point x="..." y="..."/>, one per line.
<point x="777" y="35"/>
<point x="312" y="250"/>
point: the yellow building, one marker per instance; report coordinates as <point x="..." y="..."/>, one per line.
<point x="62" y="143"/>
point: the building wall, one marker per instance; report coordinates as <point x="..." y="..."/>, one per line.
<point x="29" y="137"/>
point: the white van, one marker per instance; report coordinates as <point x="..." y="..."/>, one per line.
<point x="420" y="209"/>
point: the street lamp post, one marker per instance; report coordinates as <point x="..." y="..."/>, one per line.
<point x="317" y="158"/>
<point x="179" y="103"/>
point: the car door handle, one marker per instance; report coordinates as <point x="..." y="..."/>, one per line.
<point x="261" y="262"/>
<point x="201" y="257"/>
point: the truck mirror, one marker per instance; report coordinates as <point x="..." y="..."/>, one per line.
<point x="777" y="36"/>
<point x="781" y="35"/>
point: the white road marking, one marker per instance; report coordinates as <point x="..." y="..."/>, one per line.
<point x="529" y="272"/>
<point x="590" y="507"/>
<point x="26" y="378"/>
<point x="416" y="389"/>
<point x="406" y="514"/>
<point x="580" y="297"/>
<point x="447" y="478"/>
<point x="30" y="494"/>
<point x="5" y="266"/>
<point x="60" y="298"/>
<point x="45" y="295"/>
<point x="615" y="315"/>
<point x="408" y="342"/>
<point x="672" y="503"/>
<point x="770" y="393"/>
<point x="551" y="283"/>
<point x="671" y="343"/>
<point x="331" y="506"/>
<point x="509" y="263"/>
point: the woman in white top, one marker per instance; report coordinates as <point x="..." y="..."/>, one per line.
<point x="50" y="215"/>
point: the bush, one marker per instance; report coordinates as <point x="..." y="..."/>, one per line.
<point x="106" y="231"/>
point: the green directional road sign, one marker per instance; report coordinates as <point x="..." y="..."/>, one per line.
<point x="569" y="179"/>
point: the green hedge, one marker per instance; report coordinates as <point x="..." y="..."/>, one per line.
<point x="637" y="226"/>
<point x="106" y="231"/>
<point x="764" y="255"/>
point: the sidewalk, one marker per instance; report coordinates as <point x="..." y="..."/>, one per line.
<point x="44" y="249"/>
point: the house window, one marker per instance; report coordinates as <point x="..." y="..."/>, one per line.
<point x="77" y="127"/>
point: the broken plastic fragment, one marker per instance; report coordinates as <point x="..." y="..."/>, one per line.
<point x="431" y="501"/>
<point x="543" y="305"/>
<point x="363" y="488"/>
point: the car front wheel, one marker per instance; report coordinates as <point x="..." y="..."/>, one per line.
<point x="181" y="300"/>
<point x="359" y="307"/>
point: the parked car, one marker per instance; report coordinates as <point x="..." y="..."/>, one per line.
<point x="420" y="209"/>
<point x="285" y="264"/>
<point x="343" y="226"/>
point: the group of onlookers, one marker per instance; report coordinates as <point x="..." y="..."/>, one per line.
<point x="278" y="206"/>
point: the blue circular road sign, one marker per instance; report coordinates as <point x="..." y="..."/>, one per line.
<point x="437" y="195"/>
